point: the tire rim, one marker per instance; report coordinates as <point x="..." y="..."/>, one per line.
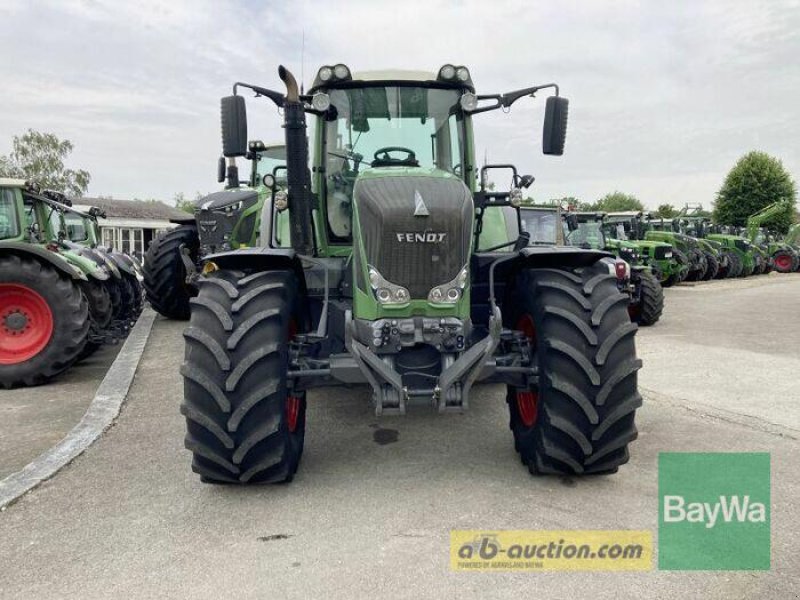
<point x="292" y="402"/>
<point x="783" y="262"/>
<point x="26" y="323"/>
<point x="527" y="400"/>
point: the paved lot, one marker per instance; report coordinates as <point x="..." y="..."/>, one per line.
<point x="34" y="419"/>
<point x="368" y="519"/>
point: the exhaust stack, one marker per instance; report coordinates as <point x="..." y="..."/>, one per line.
<point x="298" y="177"/>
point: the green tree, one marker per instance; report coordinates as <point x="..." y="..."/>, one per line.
<point x="756" y="181"/>
<point x="40" y="157"/>
<point x="617" y="202"/>
<point x="666" y="211"/>
<point x="183" y="203"/>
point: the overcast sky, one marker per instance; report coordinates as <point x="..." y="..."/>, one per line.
<point x="664" y="96"/>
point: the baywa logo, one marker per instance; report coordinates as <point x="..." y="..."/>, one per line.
<point x="714" y="511"/>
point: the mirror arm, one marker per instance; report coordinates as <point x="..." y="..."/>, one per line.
<point x="507" y="99"/>
<point x="276" y="97"/>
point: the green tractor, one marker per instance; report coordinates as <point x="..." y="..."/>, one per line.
<point x="782" y="256"/>
<point x="44" y="311"/>
<point x="225" y="220"/>
<point x="81" y="233"/>
<point x="745" y="261"/>
<point x="639" y="280"/>
<point x="721" y="262"/>
<point x="669" y="266"/>
<point x="792" y="238"/>
<point x="668" y="230"/>
<point x="421" y="295"/>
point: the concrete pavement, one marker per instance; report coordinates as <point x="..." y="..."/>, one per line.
<point x="370" y="512"/>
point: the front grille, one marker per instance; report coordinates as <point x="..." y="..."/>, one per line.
<point x="217" y="215"/>
<point x="416" y="252"/>
<point x="742" y="245"/>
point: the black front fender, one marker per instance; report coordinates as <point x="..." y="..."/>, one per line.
<point x="259" y="259"/>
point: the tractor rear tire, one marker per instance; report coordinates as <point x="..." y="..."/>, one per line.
<point x="579" y="419"/>
<point x="784" y="261"/>
<point x="100" y="314"/>
<point x="243" y="424"/>
<point x="165" y="274"/>
<point x="712" y="267"/>
<point x="651" y="304"/>
<point x="44" y="321"/>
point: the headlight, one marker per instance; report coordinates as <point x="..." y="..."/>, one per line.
<point x="450" y="292"/>
<point x="325" y="74"/>
<point x="281" y="200"/>
<point x="668" y="254"/>
<point x="469" y="102"/>
<point x="515" y="197"/>
<point x="462" y="73"/>
<point x="385" y="291"/>
<point x="321" y="102"/>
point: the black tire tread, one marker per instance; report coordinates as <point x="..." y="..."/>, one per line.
<point x="164" y="272"/>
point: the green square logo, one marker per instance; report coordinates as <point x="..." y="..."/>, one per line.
<point x="714" y="511"/>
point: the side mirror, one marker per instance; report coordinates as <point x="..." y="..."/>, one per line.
<point x="234" y="126"/>
<point x="554" y="133"/>
<point x="572" y="222"/>
<point x="525" y="181"/>
<point x="221" y="169"/>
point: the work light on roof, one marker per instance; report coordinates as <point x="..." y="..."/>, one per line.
<point x="447" y="72"/>
<point x="341" y="72"/>
<point x="462" y="73"/>
<point x="325" y="74"/>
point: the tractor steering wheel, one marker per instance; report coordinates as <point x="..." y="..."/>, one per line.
<point x="382" y="158"/>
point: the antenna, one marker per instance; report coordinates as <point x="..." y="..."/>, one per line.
<point x="303" y="62"/>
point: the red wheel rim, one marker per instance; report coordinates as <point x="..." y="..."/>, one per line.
<point x="292" y="402"/>
<point x="293" y="412"/>
<point x="526" y="326"/>
<point x="26" y="323"/>
<point x="527" y="400"/>
<point x="783" y="262"/>
<point x="528" y="406"/>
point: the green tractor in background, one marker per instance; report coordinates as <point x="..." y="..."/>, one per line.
<point x="668" y="230"/>
<point x="81" y="233"/>
<point x="783" y="257"/>
<point x="47" y="292"/>
<point x="226" y="220"/>
<point x="722" y="263"/>
<point x="738" y="247"/>
<point x="400" y="275"/>
<point x="792" y="238"/>
<point x="667" y="264"/>
<point x="641" y="282"/>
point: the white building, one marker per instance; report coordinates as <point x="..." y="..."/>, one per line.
<point x="130" y="225"/>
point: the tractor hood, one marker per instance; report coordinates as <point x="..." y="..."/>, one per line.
<point x="225" y="199"/>
<point x="413" y="226"/>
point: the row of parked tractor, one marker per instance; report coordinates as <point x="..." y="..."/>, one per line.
<point x="659" y="252"/>
<point x="62" y="294"/>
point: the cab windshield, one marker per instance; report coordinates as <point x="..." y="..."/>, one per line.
<point x="387" y="126"/>
<point x="9" y="225"/>
<point x="76" y="229"/>
<point x="541" y="225"/>
<point x="588" y="235"/>
<point x="268" y="159"/>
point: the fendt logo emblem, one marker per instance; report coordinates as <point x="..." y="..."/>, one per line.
<point x="420" y="210"/>
<point x="425" y="237"/>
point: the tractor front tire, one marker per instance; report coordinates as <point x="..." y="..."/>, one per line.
<point x="579" y="419"/>
<point x="243" y="424"/>
<point x="44" y="322"/>
<point x="100" y="314"/>
<point x="651" y="303"/>
<point x="165" y="274"/>
<point x="683" y="262"/>
<point x="712" y="267"/>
